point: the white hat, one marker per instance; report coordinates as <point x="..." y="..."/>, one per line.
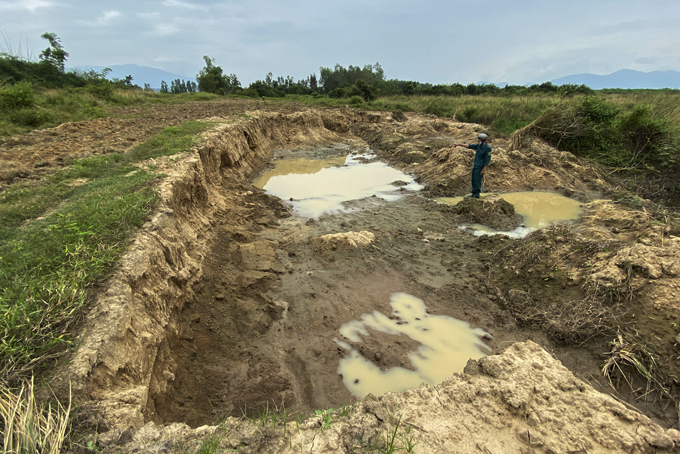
<point x="482" y="136"/>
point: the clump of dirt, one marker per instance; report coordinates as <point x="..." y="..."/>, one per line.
<point x="347" y="240"/>
<point x="491" y="211"/>
<point x="522" y="400"/>
<point x="398" y="115"/>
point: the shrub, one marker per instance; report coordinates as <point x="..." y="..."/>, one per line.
<point x="365" y="91"/>
<point x="356" y="100"/>
<point x="18" y="96"/>
<point x="101" y="90"/>
<point x="646" y="137"/>
<point x="337" y="93"/>
<point x="31" y="117"/>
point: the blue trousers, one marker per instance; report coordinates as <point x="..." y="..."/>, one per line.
<point x="476" y="181"/>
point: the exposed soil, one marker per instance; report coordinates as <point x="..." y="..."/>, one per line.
<point x="229" y="302"/>
<point x="270" y="304"/>
<point x="521" y="401"/>
<point x="39" y="152"/>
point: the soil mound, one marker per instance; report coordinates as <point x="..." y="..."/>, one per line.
<point x="423" y="144"/>
<point x="491" y="211"/>
<point x="520" y="401"/>
<point x="343" y="241"/>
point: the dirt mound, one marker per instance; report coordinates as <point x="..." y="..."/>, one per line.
<point x="342" y="241"/>
<point x="423" y="144"/>
<point x="491" y="211"/>
<point x="520" y="401"/>
<point x="618" y="275"/>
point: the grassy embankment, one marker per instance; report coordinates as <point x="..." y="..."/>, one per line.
<point x="62" y="234"/>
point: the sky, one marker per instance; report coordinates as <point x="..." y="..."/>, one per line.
<point x="517" y="42"/>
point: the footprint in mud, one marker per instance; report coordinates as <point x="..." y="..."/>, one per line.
<point x="446" y="344"/>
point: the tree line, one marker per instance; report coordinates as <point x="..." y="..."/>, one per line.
<point x="367" y="82"/>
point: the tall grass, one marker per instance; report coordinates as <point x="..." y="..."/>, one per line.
<point x="30" y="427"/>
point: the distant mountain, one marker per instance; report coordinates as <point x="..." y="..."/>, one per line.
<point x="140" y="74"/>
<point x="624" y="78"/>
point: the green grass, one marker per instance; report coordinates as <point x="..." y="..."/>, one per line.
<point x="58" y="237"/>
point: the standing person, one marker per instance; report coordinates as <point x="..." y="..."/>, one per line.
<point x="482" y="159"/>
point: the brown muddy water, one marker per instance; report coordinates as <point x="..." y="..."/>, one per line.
<point x="539" y="210"/>
<point x="446" y="345"/>
<point x="317" y="186"/>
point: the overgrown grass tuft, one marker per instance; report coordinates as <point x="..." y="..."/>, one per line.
<point x="28" y="426"/>
<point x="60" y="236"/>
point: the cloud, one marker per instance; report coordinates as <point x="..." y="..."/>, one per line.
<point x="185" y="5"/>
<point x="30" y="5"/>
<point x="645" y="60"/>
<point x="102" y="21"/>
<point x="165" y="30"/>
<point x="154" y="15"/>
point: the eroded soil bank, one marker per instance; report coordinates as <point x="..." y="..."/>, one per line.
<point x="229" y="302"/>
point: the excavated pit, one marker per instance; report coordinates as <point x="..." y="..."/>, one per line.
<point x="229" y="302"/>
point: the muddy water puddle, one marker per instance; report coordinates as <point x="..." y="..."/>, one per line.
<point x="446" y="344"/>
<point x="318" y="186"/>
<point x="539" y="209"/>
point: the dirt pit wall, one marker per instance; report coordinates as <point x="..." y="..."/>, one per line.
<point x="129" y="326"/>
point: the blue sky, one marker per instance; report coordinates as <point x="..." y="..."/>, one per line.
<point x="519" y="41"/>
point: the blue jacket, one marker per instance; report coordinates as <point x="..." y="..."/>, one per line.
<point x="483" y="154"/>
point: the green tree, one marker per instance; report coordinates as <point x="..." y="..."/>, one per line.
<point x="55" y="53"/>
<point x="211" y="79"/>
<point x="164" y="87"/>
<point x="313" y="84"/>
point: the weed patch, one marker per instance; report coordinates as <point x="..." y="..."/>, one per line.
<point x="630" y="354"/>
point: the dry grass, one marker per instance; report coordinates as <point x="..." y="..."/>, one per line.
<point x="565" y="322"/>
<point x="590" y="311"/>
<point x="30" y="427"/>
<point x="629" y="355"/>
